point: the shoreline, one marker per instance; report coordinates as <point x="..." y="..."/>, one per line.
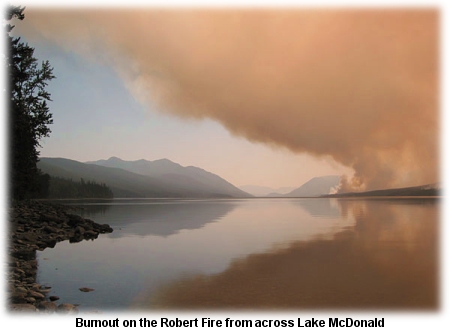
<point x="36" y="225"/>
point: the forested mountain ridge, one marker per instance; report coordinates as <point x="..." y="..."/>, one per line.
<point x="124" y="183"/>
<point x="175" y="175"/>
<point x="61" y="188"/>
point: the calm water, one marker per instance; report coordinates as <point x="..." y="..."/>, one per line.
<point x="256" y="253"/>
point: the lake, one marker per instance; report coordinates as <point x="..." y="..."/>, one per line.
<point x="251" y="254"/>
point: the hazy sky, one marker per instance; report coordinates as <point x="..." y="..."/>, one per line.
<point x="267" y="97"/>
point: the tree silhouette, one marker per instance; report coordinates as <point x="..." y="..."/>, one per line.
<point x="29" y="113"/>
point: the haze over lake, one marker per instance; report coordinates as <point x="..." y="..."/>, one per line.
<point x="252" y="253"/>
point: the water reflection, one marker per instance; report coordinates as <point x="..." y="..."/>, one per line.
<point x="156" y="217"/>
<point x="319" y="207"/>
<point x="387" y="260"/>
<point x="138" y="257"/>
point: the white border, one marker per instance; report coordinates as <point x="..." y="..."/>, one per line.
<point x="394" y="321"/>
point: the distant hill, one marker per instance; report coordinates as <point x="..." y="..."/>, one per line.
<point x="260" y="191"/>
<point x="415" y="191"/>
<point x="143" y="167"/>
<point x="275" y="195"/>
<point x="143" y="178"/>
<point x="315" y="187"/>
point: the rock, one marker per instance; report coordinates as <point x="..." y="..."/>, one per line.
<point x="23" y="308"/>
<point x="20" y="271"/>
<point x="29" y="237"/>
<point x="67" y="309"/>
<point x="41" y="246"/>
<point x="36" y="295"/>
<point x="31" y="300"/>
<point x="86" y="289"/>
<point x="18" y="297"/>
<point x="76" y="239"/>
<point x="50" y="217"/>
<point x="24" y="253"/>
<point x="36" y="225"/>
<point x="79" y="230"/>
<point x="47" y="307"/>
<point x="90" y="233"/>
<point x="74" y="220"/>
<point x="50" y="229"/>
<point x="21" y="289"/>
<point x="105" y="228"/>
<point x="36" y="286"/>
<point x="22" y="221"/>
<point x="50" y="242"/>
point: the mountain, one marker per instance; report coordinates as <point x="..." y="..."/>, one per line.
<point x="275" y="195"/>
<point x="415" y="191"/>
<point x="142" y="166"/>
<point x="315" y="187"/>
<point x="260" y="191"/>
<point x="143" y="178"/>
<point x="189" y="178"/>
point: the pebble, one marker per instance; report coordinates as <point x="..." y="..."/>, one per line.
<point x="47" y="307"/>
<point x="67" y="309"/>
<point x="36" y="295"/>
<point x="36" y="225"/>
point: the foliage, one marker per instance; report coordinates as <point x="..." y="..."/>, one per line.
<point x="29" y="113"/>
<point x="61" y="188"/>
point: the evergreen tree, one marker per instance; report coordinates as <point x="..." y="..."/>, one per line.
<point x="61" y="188"/>
<point x="30" y="116"/>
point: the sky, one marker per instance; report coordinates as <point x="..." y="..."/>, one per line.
<point x="270" y="97"/>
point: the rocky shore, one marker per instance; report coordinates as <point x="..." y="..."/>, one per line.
<point x="36" y="225"/>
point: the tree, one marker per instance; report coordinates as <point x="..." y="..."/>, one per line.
<point x="30" y="116"/>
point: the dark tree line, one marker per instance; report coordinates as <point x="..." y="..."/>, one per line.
<point x="29" y="120"/>
<point x="61" y="188"/>
<point x="29" y="114"/>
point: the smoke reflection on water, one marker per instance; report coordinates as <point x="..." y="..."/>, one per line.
<point x="254" y="253"/>
<point x="389" y="259"/>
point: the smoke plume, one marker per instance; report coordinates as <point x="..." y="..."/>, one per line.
<point x="360" y="86"/>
